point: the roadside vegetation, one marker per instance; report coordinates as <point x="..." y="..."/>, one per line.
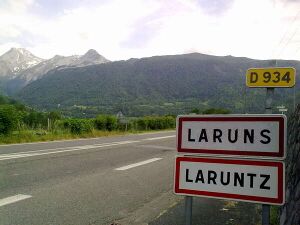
<point x="19" y="124"/>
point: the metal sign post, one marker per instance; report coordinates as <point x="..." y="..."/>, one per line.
<point x="188" y="210"/>
<point x="265" y="214"/>
<point x="269" y="100"/>
<point x="268" y="110"/>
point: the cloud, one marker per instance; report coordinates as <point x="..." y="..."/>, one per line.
<point x="143" y="31"/>
<point x="13" y="18"/>
<point x="103" y="27"/>
<point x="215" y="7"/>
<point x="15" y="6"/>
<point x="121" y="29"/>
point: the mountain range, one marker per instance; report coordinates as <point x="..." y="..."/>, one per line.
<point x="19" y="67"/>
<point x="90" y="84"/>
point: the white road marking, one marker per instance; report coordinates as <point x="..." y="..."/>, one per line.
<point x="17" y="155"/>
<point x="157" y="138"/>
<point x="138" y="164"/>
<point x="69" y="149"/>
<point x="13" y="199"/>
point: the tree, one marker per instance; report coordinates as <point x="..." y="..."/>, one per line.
<point x="8" y="119"/>
<point x="3" y="100"/>
<point x="216" y="111"/>
<point x="195" y="110"/>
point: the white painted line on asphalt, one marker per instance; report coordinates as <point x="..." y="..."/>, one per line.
<point x="66" y="148"/>
<point x="158" y="138"/>
<point x="76" y="148"/>
<point x="138" y="164"/>
<point x="73" y="148"/>
<point x="13" y="199"/>
<point x="17" y="155"/>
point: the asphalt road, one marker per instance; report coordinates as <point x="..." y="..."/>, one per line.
<point x="124" y="180"/>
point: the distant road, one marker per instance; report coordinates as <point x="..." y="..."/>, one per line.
<point x="127" y="179"/>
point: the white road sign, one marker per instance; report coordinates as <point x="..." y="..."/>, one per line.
<point x="232" y="135"/>
<point x="242" y="180"/>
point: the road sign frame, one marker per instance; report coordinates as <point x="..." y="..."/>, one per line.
<point x="232" y="196"/>
<point x="279" y="155"/>
<point x="271" y="69"/>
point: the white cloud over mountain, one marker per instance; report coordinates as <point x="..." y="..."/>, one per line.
<point x="122" y="29"/>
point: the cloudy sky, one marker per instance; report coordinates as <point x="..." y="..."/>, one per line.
<point x="123" y="29"/>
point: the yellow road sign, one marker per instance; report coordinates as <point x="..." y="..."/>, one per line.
<point x="271" y="77"/>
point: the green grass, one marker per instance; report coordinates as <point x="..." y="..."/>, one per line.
<point x="274" y="215"/>
<point x="26" y="136"/>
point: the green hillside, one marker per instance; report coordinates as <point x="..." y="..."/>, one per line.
<point x="155" y="85"/>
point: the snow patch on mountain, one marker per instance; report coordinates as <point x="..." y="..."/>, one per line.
<point x="17" y="60"/>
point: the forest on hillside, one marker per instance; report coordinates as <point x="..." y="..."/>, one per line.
<point x="155" y="86"/>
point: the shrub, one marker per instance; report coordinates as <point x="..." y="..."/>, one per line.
<point x="78" y="126"/>
<point x="54" y="115"/>
<point x="100" y="122"/>
<point x="141" y="124"/>
<point x="35" y="119"/>
<point x="106" y="122"/>
<point x="155" y="122"/>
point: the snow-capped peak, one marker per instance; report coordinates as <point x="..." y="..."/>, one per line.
<point x="19" y="59"/>
<point x="21" y="63"/>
